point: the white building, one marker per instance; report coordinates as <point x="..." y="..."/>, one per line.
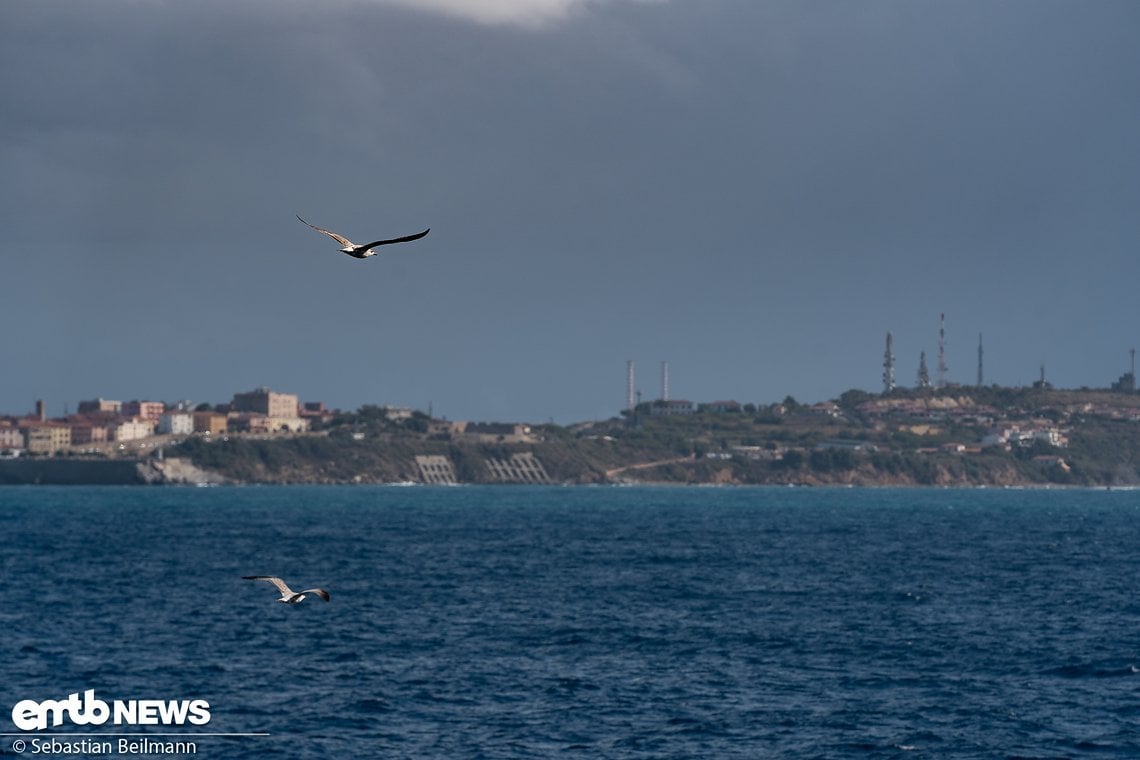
<point x="1014" y="435"/>
<point x="176" y="423"/>
<point x="396" y="413"/>
<point x="11" y="438"/>
<point x="1051" y="436"/>
<point x="131" y="430"/>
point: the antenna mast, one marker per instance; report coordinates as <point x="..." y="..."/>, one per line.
<point x="941" y="350"/>
<point x="889" y="366"/>
<point x="980" y="383"/>
<point x="664" y="381"/>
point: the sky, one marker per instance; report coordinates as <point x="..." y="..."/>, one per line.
<point x="755" y="191"/>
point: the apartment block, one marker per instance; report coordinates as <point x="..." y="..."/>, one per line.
<point x="11" y="438"/>
<point x="132" y="430"/>
<point x="89" y="432"/>
<point x="211" y="423"/>
<point x="48" y="439"/>
<point x="147" y="410"/>
<point x="267" y="402"/>
<point x="175" y="423"/>
<point x="100" y="406"/>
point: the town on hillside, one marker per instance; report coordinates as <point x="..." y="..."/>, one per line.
<point x="103" y="427"/>
<point x="949" y="435"/>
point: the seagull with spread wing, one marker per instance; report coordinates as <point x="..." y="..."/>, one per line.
<point x="288" y="595"/>
<point x="364" y="251"/>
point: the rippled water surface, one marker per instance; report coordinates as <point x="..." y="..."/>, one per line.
<point x="587" y="622"/>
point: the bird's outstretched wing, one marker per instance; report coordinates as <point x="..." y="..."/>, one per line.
<point x="342" y="240"/>
<point x="280" y="584"/>
<point x="405" y="239"/>
<point x="318" y="591"/>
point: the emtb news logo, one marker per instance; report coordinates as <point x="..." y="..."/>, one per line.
<point x="30" y="715"/>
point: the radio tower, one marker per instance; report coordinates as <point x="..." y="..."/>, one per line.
<point x="941" y="351"/>
<point x="664" y="381"/>
<point x="923" y="375"/>
<point x="889" y="366"/>
<point x="980" y="383"/>
<point x="629" y="385"/>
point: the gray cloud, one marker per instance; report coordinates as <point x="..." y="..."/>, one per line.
<point x="525" y="13"/>
<point x="756" y="191"/>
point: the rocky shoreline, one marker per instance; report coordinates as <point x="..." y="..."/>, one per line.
<point x="120" y="472"/>
<point x="679" y="472"/>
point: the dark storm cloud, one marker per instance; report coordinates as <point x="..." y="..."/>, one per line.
<point x="754" y="191"/>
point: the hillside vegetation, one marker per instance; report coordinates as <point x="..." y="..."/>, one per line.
<point x="1088" y="438"/>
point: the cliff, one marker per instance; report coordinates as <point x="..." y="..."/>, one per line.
<point x="76" y="471"/>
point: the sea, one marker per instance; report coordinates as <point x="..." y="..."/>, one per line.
<point x="573" y="622"/>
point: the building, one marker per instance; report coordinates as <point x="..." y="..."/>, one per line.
<point x="671" y="407"/>
<point x="175" y="423"/>
<point x="210" y="423"/>
<point x="87" y="431"/>
<point x="100" y="406"/>
<point x="131" y="430"/>
<point x="47" y="438"/>
<point x="493" y="432"/>
<point x="147" y="410"/>
<point x="267" y="402"/>
<point x="1051" y="436"/>
<point x="1001" y="436"/>
<point x="259" y="423"/>
<point x="289" y="424"/>
<point x="11" y="437"/>
<point x="1011" y="435"/>
<point x="396" y="413"/>
<point x="721" y="407"/>
<point x="316" y="410"/>
<point x="826" y="409"/>
<point x="247" y="422"/>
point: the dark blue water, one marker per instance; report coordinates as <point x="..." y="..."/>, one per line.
<point x="587" y="622"/>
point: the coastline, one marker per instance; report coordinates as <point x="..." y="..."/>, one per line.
<point x="175" y="472"/>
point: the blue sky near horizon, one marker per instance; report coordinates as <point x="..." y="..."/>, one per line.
<point x="755" y="191"/>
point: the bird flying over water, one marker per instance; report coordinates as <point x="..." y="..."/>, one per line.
<point x="364" y="251"/>
<point x="288" y="595"/>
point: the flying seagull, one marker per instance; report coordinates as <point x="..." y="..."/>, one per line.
<point x="288" y="595"/>
<point x="364" y="251"/>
